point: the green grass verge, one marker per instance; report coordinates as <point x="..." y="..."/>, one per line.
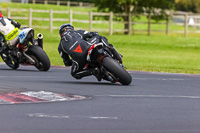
<point x="174" y="54"/>
<point x="159" y="53"/>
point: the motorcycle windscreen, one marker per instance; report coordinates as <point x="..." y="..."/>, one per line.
<point x="23" y="34"/>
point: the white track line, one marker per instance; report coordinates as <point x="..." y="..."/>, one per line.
<point x="62" y="116"/>
<point x="149" y="96"/>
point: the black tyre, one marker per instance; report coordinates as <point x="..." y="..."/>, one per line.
<point x="42" y="62"/>
<point x="10" y="61"/>
<point x="118" y="71"/>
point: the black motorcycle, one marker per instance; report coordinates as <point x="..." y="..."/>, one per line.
<point x="29" y="51"/>
<point x="109" y="61"/>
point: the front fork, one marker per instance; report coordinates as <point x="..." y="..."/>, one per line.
<point x="30" y="60"/>
<point x="24" y="48"/>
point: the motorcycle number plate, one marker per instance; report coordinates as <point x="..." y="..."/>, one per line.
<point x="21" y="35"/>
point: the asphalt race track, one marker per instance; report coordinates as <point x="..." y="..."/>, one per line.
<point x="54" y="102"/>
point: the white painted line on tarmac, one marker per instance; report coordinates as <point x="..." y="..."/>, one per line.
<point x="62" y="116"/>
<point x="42" y="115"/>
<point x="149" y="96"/>
<point x="163" y="79"/>
<point x="104" y="118"/>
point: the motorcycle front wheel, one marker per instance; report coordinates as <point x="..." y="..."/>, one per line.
<point x="42" y="62"/>
<point x="10" y="61"/>
<point x="117" y="70"/>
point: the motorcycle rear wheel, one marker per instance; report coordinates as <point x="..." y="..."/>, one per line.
<point x="42" y="62"/>
<point x="118" y="71"/>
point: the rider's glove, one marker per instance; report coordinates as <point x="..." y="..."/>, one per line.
<point x="18" y="25"/>
<point x="95" y="33"/>
<point x="91" y="34"/>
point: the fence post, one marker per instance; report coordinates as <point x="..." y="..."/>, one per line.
<point x="30" y="17"/>
<point x="71" y="17"/>
<point x="51" y="20"/>
<point x="129" y="23"/>
<point x="90" y="21"/>
<point x="186" y="25"/>
<point x="33" y="1"/>
<point x="68" y="3"/>
<point x="111" y="23"/>
<point x="58" y="2"/>
<point x="9" y="12"/>
<point x="149" y="24"/>
<point x="80" y="4"/>
<point x="167" y="26"/>
<point x="45" y="2"/>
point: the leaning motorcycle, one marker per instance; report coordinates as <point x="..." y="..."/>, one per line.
<point x="110" y="63"/>
<point x="29" y="51"/>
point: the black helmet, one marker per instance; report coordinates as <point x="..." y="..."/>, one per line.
<point x="2" y="19"/>
<point x="65" y="27"/>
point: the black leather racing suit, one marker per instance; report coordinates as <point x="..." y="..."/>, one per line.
<point x="74" y="44"/>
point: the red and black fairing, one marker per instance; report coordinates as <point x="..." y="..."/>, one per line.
<point x="96" y="53"/>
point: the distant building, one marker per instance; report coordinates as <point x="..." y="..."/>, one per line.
<point x="4" y="1"/>
<point x="24" y="1"/>
<point x="193" y="20"/>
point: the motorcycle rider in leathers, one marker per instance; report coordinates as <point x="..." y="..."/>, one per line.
<point x="9" y="31"/>
<point x="75" y="44"/>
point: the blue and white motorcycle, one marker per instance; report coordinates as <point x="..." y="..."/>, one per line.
<point x="28" y="51"/>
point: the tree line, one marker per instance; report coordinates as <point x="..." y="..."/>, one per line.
<point x="181" y="5"/>
<point x="156" y="9"/>
<point x="188" y="5"/>
<point x="88" y="1"/>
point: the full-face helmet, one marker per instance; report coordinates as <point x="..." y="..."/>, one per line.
<point x="65" y="27"/>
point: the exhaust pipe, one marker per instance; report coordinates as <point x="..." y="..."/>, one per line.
<point x="40" y="40"/>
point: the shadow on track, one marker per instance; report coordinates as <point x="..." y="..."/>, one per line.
<point x="93" y="83"/>
<point x="84" y="83"/>
<point x="28" y="70"/>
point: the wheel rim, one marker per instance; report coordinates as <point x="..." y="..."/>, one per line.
<point x="37" y="64"/>
<point x="12" y="64"/>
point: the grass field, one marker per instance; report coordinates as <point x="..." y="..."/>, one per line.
<point x="148" y="53"/>
<point x="157" y="53"/>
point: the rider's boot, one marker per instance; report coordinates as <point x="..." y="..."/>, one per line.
<point x="93" y="71"/>
<point x="97" y="73"/>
